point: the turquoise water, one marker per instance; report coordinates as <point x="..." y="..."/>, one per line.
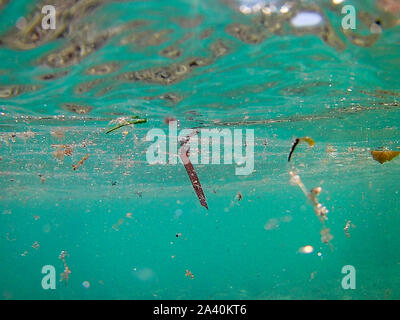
<point x="132" y="229"/>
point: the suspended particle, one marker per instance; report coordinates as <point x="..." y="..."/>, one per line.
<point x="384" y="156"/>
<point x="306" y="249"/>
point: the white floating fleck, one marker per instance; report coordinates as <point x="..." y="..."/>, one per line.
<point x="21" y="23"/>
<point x="86" y="284"/>
<point x="306" y="249"/>
<point x="306" y="19"/>
<point x="271" y="224"/>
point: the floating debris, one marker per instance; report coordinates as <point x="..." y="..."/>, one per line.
<point x="61" y="151"/>
<point x="118" y="224"/>
<point x="234" y="202"/>
<point x="189" y="274"/>
<point x="42" y="178"/>
<point x="64" y="276"/>
<point x="326" y="236"/>
<point x="86" y="284"/>
<point x="76" y="166"/>
<point x="139" y="193"/>
<point x="320" y="210"/>
<point x="58" y="134"/>
<point x="306" y="249"/>
<point x="384" y="156"/>
<point x="36" y="245"/>
<point x="194" y="179"/>
<point x="331" y="150"/>
<point x="309" y="140"/>
<point x="347" y="227"/>
<point x="122" y="122"/>
<point x="129" y="215"/>
<point x="58" y="154"/>
<point x="8" y="237"/>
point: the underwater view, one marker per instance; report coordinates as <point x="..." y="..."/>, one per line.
<point x="200" y="149"/>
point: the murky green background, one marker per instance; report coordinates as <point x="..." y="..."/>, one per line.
<point x="206" y="64"/>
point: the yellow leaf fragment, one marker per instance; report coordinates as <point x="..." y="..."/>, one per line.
<point x="385" y="155"/>
<point x="309" y="140"/>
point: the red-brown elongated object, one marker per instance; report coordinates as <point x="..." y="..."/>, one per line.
<point x="194" y="179"/>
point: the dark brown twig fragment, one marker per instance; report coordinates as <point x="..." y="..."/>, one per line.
<point x="194" y="179"/>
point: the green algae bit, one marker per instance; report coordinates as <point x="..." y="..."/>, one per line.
<point x="124" y="122"/>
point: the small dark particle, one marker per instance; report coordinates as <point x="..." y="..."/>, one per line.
<point x="114" y="183"/>
<point x="296" y="142"/>
<point x="139" y="193"/>
<point x="53" y="76"/>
